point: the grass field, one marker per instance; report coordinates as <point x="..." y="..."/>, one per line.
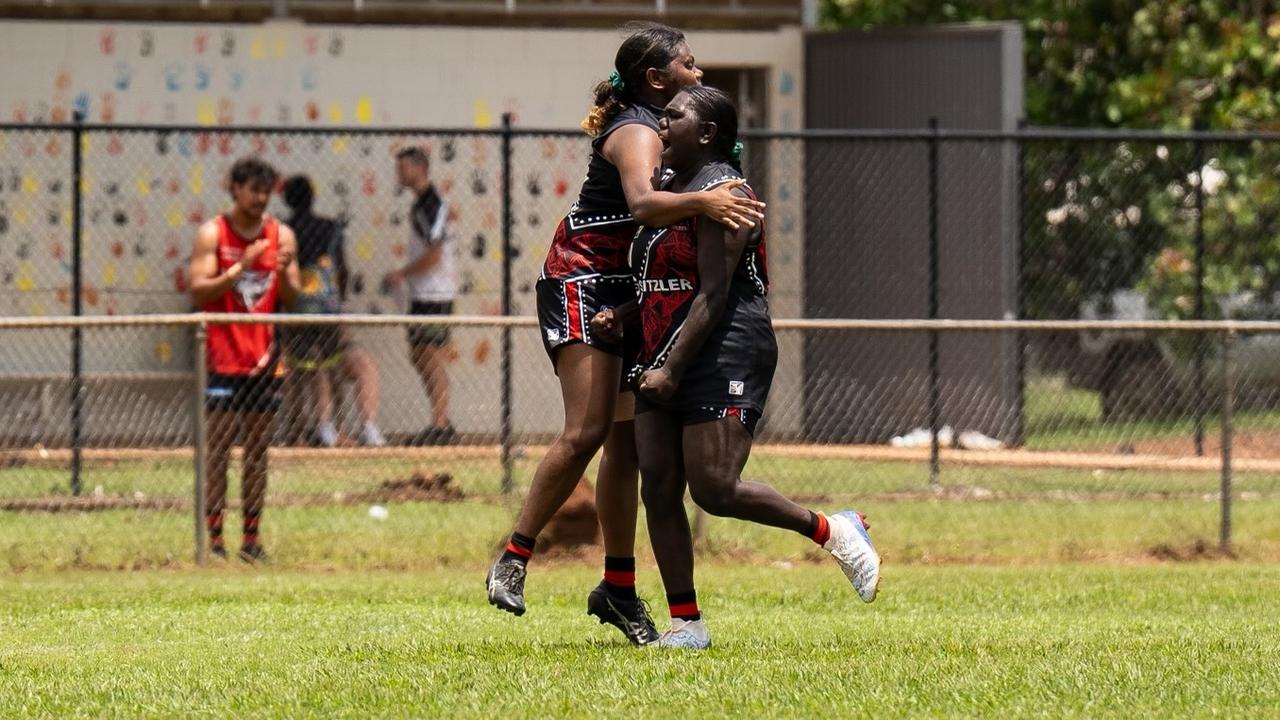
<point x="1071" y="641"/>
<point x="1008" y="592"/>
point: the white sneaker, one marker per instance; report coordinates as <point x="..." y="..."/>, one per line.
<point x="687" y="635"/>
<point x="328" y="434"/>
<point x="371" y="436"/>
<point x="851" y="546"/>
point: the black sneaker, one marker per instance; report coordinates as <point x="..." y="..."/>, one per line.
<point x="254" y="555"/>
<point x="505" y="584"/>
<point x="445" y="435"/>
<point x="630" y="616"/>
<point x="218" y="551"/>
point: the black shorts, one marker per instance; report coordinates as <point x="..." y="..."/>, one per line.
<point x="731" y="376"/>
<point x="565" y="309"/>
<point x="314" y="347"/>
<point x="750" y="417"/>
<point x="436" y="335"/>
<point x="243" y="393"/>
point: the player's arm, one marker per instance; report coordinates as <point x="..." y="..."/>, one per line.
<point x="207" y="283"/>
<point x="340" y="259"/>
<point x="287" y="266"/>
<point x="608" y="324"/>
<point x="719" y="252"/>
<point x="637" y="153"/>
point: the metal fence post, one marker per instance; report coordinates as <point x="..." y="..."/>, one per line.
<point x="506" y="304"/>
<point x="1228" y="433"/>
<point x="935" y="370"/>
<point x="1199" y="298"/>
<point x="199" y="433"/>
<point x="1020" y="291"/>
<point x="77" y="307"/>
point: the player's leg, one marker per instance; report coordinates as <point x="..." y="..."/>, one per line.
<point x="589" y="389"/>
<point x="658" y="442"/>
<point x="715" y="452"/>
<point x="322" y="386"/>
<point x="221" y="425"/>
<point x="429" y="351"/>
<point x="359" y="366"/>
<point x="261" y="403"/>
<point x="614" y="600"/>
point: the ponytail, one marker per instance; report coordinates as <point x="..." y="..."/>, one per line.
<point x="608" y="103"/>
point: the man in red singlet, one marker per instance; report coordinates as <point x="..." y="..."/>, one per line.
<point x="244" y="261"/>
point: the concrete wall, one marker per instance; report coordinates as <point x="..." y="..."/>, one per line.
<point x="145" y="193"/>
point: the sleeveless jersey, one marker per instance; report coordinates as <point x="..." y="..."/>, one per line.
<point x="245" y="349"/>
<point x="596" y="234"/>
<point x="665" y="263"/>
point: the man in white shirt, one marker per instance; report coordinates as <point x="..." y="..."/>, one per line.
<point x="431" y="278"/>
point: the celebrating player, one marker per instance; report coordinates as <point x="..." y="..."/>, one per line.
<point x="585" y="271"/>
<point x="705" y="367"/>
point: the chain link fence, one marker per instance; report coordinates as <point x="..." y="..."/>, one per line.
<point x="1010" y="443"/>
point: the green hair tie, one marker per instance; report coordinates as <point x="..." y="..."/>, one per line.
<point x="616" y="81"/>
<point x="737" y="150"/>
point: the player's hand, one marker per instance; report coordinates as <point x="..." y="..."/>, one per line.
<point x="284" y="259"/>
<point x="732" y="210"/>
<point x="605" y="326"/>
<point x="658" y="384"/>
<point x="253" y="252"/>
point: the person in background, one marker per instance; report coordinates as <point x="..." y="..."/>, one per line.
<point x="244" y="261"/>
<point x="316" y="351"/>
<point x="431" y="279"/>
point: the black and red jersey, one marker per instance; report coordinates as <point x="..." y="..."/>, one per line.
<point x="665" y="264"/>
<point x="595" y="237"/>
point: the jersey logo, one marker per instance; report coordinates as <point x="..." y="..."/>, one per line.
<point x="736" y="387"/>
<point x="665" y="285"/>
<point x="252" y="286"/>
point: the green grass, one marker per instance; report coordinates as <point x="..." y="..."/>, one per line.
<point x="1185" y="641"/>
<point x="1061" y="417"/>
<point x="986" y="515"/>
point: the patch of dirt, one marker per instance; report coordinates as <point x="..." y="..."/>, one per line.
<point x="419" y="487"/>
<point x="1250" y="444"/>
<point x="575" y="525"/>
<point x="1198" y="550"/>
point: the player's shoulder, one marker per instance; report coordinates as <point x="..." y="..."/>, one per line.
<point x="210" y="230"/>
<point x="715" y="174"/>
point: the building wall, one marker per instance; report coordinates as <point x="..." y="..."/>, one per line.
<point x="146" y="193"/>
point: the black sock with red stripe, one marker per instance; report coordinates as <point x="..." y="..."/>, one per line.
<point x="250" y="529"/>
<point x="684" y="606"/>
<point x="620" y="577"/>
<point x="819" y="529"/>
<point x="519" y="548"/>
<point x="214" y="523"/>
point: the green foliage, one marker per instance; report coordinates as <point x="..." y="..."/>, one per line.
<point x="1108" y="216"/>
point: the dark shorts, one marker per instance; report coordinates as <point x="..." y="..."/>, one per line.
<point x="435" y="335"/>
<point x="565" y="309"/>
<point x="750" y="417"/>
<point x="314" y="347"/>
<point x="730" y="377"/>
<point x="243" y="393"/>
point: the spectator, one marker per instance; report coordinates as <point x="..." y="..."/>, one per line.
<point x="245" y="261"/>
<point x="318" y="350"/>
<point x="430" y="276"/>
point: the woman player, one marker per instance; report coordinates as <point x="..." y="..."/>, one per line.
<point x="705" y="366"/>
<point x="586" y="270"/>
